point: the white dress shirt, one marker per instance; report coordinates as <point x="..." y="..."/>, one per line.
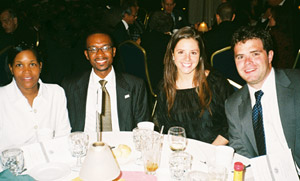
<point x="274" y="135"/>
<point x="94" y="97"/>
<point x="21" y="123"/>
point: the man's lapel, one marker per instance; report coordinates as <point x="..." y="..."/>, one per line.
<point x="245" y="116"/>
<point x="80" y="95"/>
<point x="286" y="105"/>
<point x="123" y="96"/>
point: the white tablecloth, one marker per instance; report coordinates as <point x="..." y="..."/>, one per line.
<point x="57" y="151"/>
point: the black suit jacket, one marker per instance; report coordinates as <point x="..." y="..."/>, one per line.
<point x="120" y="34"/>
<point x="219" y="37"/>
<point x="180" y="19"/>
<point x="132" y="103"/>
<point x="239" y="113"/>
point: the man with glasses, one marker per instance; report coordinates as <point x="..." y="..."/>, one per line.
<point x="129" y="15"/>
<point x="179" y="18"/>
<point x="127" y="94"/>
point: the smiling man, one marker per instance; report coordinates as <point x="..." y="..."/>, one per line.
<point x="263" y="116"/>
<point x="125" y="95"/>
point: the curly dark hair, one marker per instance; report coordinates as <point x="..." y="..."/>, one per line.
<point x="248" y="32"/>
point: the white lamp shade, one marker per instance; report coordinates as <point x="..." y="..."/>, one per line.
<point x="99" y="164"/>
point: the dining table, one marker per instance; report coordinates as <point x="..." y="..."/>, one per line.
<point x="56" y="152"/>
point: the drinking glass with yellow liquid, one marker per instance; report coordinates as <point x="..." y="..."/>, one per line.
<point x="151" y="151"/>
<point x="177" y="138"/>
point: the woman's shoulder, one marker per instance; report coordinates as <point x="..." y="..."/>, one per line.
<point x="6" y="88"/>
<point x="52" y="88"/>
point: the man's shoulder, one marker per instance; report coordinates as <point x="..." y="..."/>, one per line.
<point x="128" y="78"/>
<point x="236" y="97"/>
<point x="292" y="74"/>
<point x="128" y="81"/>
<point x="73" y="80"/>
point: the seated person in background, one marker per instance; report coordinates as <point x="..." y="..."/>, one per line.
<point x="220" y="36"/>
<point x="179" y="19"/>
<point x="155" y="43"/>
<point x="263" y="116"/>
<point x="127" y="94"/>
<point x="283" y="43"/>
<point x="192" y="96"/>
<point x="121" y="31"/>
<point x="29" y="107"/>
<point x="14" y="33"/>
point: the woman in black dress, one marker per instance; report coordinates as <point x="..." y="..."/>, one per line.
<point x="192" y="96"/>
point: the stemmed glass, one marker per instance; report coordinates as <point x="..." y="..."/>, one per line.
<point x="177" y="138"/>
<point x="78" y="144"/>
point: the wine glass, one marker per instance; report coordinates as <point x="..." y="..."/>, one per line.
<point x="138" y="136"/>
<point x="78" y="143"/>
<point x="177" y="138"/>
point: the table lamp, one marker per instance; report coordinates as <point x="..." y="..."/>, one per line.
<point x="203" y="27"/>
<point x="99" y="164"/>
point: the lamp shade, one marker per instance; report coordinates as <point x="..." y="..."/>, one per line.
<point x="99" y="164"/>
<point x="203" y="27"/>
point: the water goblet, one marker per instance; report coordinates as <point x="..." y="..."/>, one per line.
<point x="177" y="138"/>
<point x="138" y="136"/>
<point x="13" y="160"/>
<point x="78" y="144"/>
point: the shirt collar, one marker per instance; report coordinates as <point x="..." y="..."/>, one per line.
<point x="267" y="85"/>
<point x="125" y="24"/>
<point x="18" y="95"/>
<point x="282" y="2"/>
<point x="109" y="78"/>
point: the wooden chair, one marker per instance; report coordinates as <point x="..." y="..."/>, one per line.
<point x="134" y="61"/>
<point x="296" y="60"/>
<point x="223" y="61"/>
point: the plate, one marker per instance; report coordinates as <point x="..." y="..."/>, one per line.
<point x="49" y="171"/>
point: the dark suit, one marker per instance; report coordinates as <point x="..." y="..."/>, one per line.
<point x="239" y="113"/>
<point x="131" y="110"/>
<point x="120" y="33"/>
<point x="179" y="19"/>
<point x="219" y="37"/>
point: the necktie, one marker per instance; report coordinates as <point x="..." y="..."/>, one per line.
<point x="105" y="122"/>
<point x="258" y="127"/>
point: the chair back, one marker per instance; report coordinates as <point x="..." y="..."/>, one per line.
<point x="134" y="61"/>
<point x="296" y="60"/>
<point x="223" y="61"/>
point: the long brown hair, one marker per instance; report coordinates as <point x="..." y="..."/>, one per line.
<point x="170" y="70"/>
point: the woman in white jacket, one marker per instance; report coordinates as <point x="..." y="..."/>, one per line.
<point x="29" y="108"/>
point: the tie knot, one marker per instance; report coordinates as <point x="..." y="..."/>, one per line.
<point x="103" y="83"/>
<point x="258" y="95"/>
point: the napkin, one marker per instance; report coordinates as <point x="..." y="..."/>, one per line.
<point x="135" y="176"/>
<point x="6" y="175"/>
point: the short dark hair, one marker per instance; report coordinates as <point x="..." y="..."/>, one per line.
<point x="98" y="31"/>
<point x="225" y="11"/>
<point x="249" y="32"/>
<point x="161" y="22"/>
<point x="126" y="7"/>
<point x="15" y="50"/>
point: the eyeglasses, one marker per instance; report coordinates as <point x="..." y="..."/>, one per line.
<point x="104" y="49"/>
